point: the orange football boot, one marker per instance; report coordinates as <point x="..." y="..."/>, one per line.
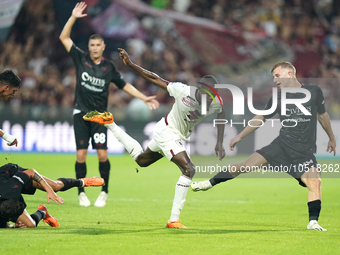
<point x="99" y="117"/>
<point x="175" y="224"/>
<point x="93" y="181"/>
<point x="49" y="219"/>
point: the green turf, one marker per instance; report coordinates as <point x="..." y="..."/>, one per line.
<point x="243" y="216"/>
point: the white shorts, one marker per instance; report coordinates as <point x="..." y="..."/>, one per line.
<point x="165" y="140"/>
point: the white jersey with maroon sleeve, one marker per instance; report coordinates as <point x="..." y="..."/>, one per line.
<point x="186" y="111"/>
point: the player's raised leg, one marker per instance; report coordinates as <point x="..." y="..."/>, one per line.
<point x="233" y="171"/>
<point x="99" y="117"/>
<point x="143" y="158"/>
<point x="106" y="119"/>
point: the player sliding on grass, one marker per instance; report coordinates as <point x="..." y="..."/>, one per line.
<point x="15" y="180"/>
<point x="170" y="131"/>
<point x="295" y="145"/>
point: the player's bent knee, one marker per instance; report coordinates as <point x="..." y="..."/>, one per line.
<point x="312" y="183"/>
<point x="142" y="162"/>
<point x="245" y="167"/>
<point x="189" y="170"/>
<point x="192" y="172"/>
<point x="57" y="185"/>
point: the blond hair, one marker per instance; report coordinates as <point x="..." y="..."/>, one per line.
<point x="284" y="64"/>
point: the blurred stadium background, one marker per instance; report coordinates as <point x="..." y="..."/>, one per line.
<point x="181" y="40"/>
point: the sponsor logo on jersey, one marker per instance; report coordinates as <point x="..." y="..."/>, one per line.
<point x="297" y="111"/>
<point x="188" y="102"/>
<point x="93" y="80"/>
<point x="193" y="99"/>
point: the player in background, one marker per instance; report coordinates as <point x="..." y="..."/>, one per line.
<point x="294" y="147"/>
<point x="169" y="132"/>
<point x="15" y="180"/>
<point x="9" y="84"/>
<point x="94" y="75"/>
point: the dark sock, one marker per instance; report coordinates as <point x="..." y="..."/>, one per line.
<point x="38" y="216"/>
<point x="70" y="183"/>
<point x="104" y="169"/>
<point x="221" y="177"/>
<point x="314" y="208"/>
<point x="80" y="173"/>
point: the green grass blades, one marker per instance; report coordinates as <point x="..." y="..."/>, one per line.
<point x="243" y="216"/>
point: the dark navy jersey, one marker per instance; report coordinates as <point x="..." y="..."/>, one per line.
<point x="11" y="183"/>
<point x="93" y="80"/>
<point x="298" y="132"/>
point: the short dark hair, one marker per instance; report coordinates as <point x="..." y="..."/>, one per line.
<point x="7" y="77"/>
<point x="11" y="208"/>
<point x="209" y="80"/>
<point x="284" y="64"/>
<point x="96" y="36"/>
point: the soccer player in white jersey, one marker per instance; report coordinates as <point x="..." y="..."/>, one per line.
<point x="170" y="131"/>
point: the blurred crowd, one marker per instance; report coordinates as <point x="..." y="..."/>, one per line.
<point x="34" y="51"/>
<point x="303" y="25"/>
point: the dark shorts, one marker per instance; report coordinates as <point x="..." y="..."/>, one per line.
<point x="8" y="170"/>
<point x="280" y="160"/>
<point x="84" y="130"/>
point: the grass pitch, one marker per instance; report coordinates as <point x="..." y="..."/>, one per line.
<point x="242" y="216"/>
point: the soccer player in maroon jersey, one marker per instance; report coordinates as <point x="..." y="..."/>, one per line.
<point x="94" y="75"/>
<point x="171" y="131"/>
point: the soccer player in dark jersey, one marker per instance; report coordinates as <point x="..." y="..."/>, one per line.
<point x="9" y="84"/>
<point x="295" y="145"/>
<point x="15" y="180"/>
<point x="94" y="75"/>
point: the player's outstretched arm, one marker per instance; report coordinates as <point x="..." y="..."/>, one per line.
<point x="147" y="75"/>
<point x="219" y="149"/>
<point x="256" y="122"/>
<point x="35" y="176"/>
<point x="151" y="102"/>
<point x="11" y="140"/>
<point x="325" y="122"/>
<point x="65" y="34"/>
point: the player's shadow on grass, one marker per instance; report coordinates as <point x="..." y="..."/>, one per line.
<point x="163" y="230"/>
<point x="100" y="231"/>
<point x="230" y="231"/>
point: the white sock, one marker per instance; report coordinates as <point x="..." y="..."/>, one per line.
<point x="130" y="144"/>
<point x="181" y="190"/>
